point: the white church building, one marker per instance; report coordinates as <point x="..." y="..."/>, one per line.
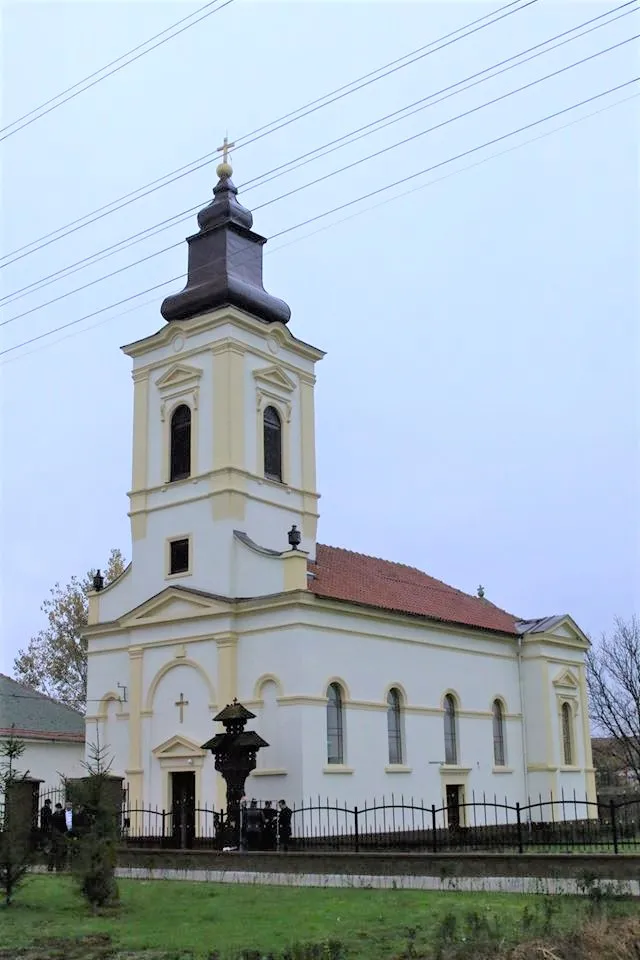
<point x="368" y="678"/>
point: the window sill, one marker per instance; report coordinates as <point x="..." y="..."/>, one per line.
<point x="272" y="481"/>
<point x="178" y="576"/>
<point x="502" y="770"/>
<point x="274" y="772"/>
<point x="569" y="768"/>
<point x="397" y="768"/>
<point x="447" y="768"/>
<point x="336" y="768"/>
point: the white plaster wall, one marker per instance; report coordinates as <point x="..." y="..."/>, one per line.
<point x="50" y="760"/>
<point x="119" y="597"/>
<point x="254" y="571"/>
<point x="367" y="654"/>
<point x="114" y="738"/>
<point x="306" y="659"/>
<point x="197" y="685"/>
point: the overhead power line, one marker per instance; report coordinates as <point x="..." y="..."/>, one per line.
<point x="353" y="136"/>
<point x="349" y="166"/>
<point x="274" y="125"/>
<point x="44" y="108"/>
<point x="343" y="206"/>
<point x="351" y="216"/>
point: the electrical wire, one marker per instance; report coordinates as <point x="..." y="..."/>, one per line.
<point x="106" y="67"/>
<point x="342" y="206"/>
<point x="327" y="148"/>
<point x="272" y="127"/>
<point x="335" y="223"/>
<point x="349" y="166"/>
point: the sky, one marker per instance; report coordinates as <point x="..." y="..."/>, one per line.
<point x="478" y="409"/>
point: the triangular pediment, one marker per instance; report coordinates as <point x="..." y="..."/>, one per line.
<point x="562" y="629"/>
<point x="275" y="377"/>
<point x="566" y="679"/>
<point x="178" y="375"/>
<point x="178" y="746"/>
<point x="171" y="605"/>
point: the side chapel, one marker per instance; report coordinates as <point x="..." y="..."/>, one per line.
<point x="368" y="677"/>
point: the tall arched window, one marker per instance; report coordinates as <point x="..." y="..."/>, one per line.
<point x="272" y="444"/>
<point x="450" y="733"/>
<point x="394" y="725"/>
<point x="180" y="453"/>
<point x="498" y="734"/>
<point x="335" y="724"/>
<point x="567" y="735"/>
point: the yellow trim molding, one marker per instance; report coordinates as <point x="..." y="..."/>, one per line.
<point x="260" y="682"/>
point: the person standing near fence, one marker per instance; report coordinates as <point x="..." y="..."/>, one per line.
<point x="284" y="825"/>
<point x="255" y="825"/>
<point x="269" y="834"/>
<point x="57" y="847"/>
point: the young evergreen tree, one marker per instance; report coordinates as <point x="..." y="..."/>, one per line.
<point x="93" y="861"/>
<point x="16" y="848"/>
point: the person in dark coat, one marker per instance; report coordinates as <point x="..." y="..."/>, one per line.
<point x="254" y="822"/>
<point x="45" y="817"/>
<point x="284" y="825"/>
<point x="270" y="818"/>
<point x="66" y="826"/>
<point x="58" y="847"/>
<point x="45" y="830"/>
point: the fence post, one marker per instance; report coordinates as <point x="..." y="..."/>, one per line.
<point x="519" y="820"/>
<point x="434" y="842"/>
<point x="163" y="833"/>
<point x="356" y="829"/>
<point x="614" y="826"/>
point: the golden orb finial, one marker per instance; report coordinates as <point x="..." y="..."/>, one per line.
<point x="224" y="170"/>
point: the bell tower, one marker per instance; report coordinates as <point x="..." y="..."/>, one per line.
<point x="223" y="432"/>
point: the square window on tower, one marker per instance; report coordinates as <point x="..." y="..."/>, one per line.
<point x="179" y="556"/>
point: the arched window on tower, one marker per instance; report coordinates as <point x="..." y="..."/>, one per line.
<point x="335" y="724"/>
<point x="394" y="726"/>
<point x="272" y="426"/>
<point x="450" y="732"/>
<point x="498" y="734"/>
<point x="180" y="445"/>
<point x="567" y="735"/>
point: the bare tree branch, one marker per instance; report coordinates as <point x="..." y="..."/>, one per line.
<point x="613" y="678"/>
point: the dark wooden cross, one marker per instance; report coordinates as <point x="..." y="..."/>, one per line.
<point x="182" y="703"/>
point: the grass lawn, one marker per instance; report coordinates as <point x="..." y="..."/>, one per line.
<point x="174" y="917"/>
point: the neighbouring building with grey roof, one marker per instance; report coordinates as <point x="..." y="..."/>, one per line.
<point x="53" y="734"/>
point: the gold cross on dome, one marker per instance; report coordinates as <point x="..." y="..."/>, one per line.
<point x="224" y="149"/>
<point x="182" y="703"/>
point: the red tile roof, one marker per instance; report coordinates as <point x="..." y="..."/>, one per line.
<point x="353" y="577"/>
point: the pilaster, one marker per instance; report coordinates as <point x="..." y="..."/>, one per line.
<point x="228" y="405"/>
<point x="140" y="430"/>
<point x="134" y="772"/>
<point x="227" y="674"/>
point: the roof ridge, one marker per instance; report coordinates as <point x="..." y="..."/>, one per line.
<point x="406" y="566"/>
<point x="37" y="695"/>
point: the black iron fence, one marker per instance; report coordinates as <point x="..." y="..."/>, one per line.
<point x="396" y="824"/>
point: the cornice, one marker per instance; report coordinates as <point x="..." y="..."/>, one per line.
<point x="217" y="318"/>
<point x="228" y="473"/>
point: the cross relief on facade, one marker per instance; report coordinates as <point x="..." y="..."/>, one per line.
<point x="181" y="704"/>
